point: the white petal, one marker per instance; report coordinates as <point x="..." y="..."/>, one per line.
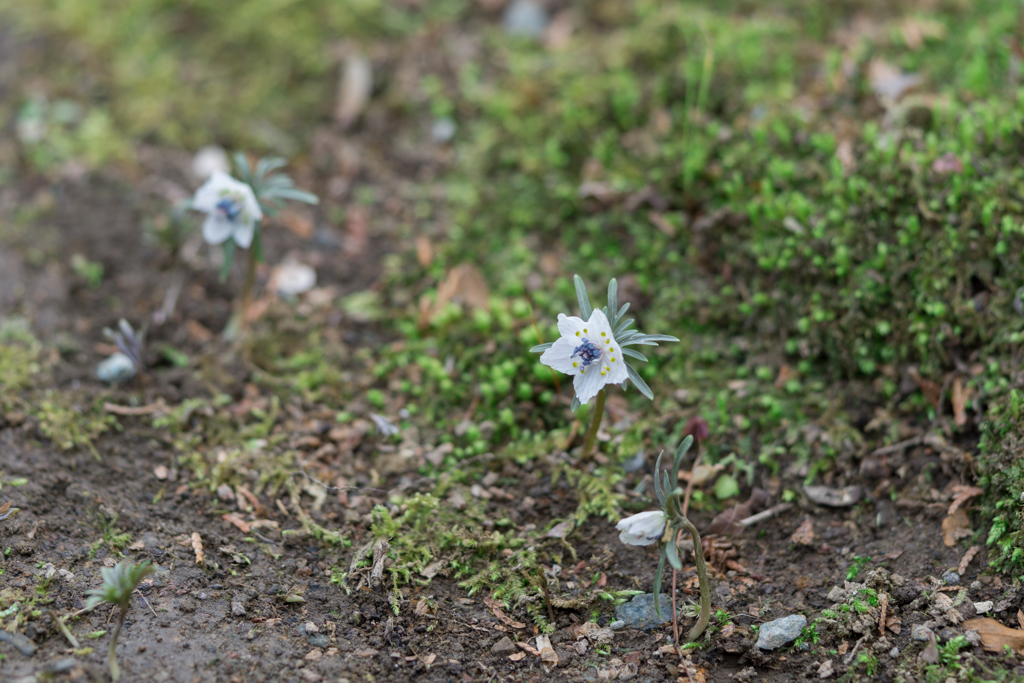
<point x="217" y="229"/>
<point x="597" y="324"/>
<point x="642" y="529"/>
<point x="589" y="383"/>
<point x="568" y="326"/>
<point x="618" y="373"/>
<point x="210" y="192"/>
<point x="243" y="234"/>
<point x="559" y="356"/>
<point x="252" y="206"/>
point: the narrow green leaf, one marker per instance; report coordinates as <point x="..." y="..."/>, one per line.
<point x="581" y="296"/>
<point x="634" y="354"/>
<point x="290" y="193"/>
<point x="681" y="451"/>
<point x="613" y="299"/>
<point x="659" y="337"/>
<point x="575" y="404"/>
<point x="621" y="329"/>
<point x="633" y="341"/>
<point x="639" y="382"/>
<point x="673" y="555"/>
<point x="541" y="348"/>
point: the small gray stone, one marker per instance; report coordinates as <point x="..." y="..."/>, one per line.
<point x="837" y="594"/>
<point x="947" y="634"/>
<point x="60" y="666"/>
<point x="982" y="607"/>
<point x="20" y="642"/>
<point x="237" y="608"/>
<point x="639" y="612"/>
<point x="442" y="130"/>
<point x="525" y="18"/>
<point x="116" y="369"/>
<point x="505" y="646"/>
<point x="634" y="464"/>
<point x="318" y="640"/>
<point x="921" y="633"/>
<point x="894" y="653"/>
<point x="617" y="625"/>
<point x="951" y="578"/>
<point x="775" y="634"/>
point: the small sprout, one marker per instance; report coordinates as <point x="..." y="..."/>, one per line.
<point x="648" y="527"/>
<point x="7" y="511"/>
<point x="118" y="584"/>
<point x="128" y="342"/>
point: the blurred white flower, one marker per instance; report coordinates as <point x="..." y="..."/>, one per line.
<point x="208" y="160"/>
<point x="642" y="529"/>
<point x="587" y="351"/>
<point x="231" y="207"/>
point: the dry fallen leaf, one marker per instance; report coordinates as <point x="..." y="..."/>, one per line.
<point x="517" y="656"/>
<point x="966" y="560"/>
<point x="464" y="283"/>
<point x="424" y="251"/>
<point x="959" y="397"/>
<point x="500" y="613"/>
<point x="955" y="527"/>
<point x="197" y="545"/>
<point x="354" y="90"/>
<point x="804" y="535"/>
<point x="962" y="494"/>
<point x="995" y="636"/>
<point x="547" y="653"/>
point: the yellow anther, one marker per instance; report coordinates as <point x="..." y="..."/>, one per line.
<point x="603" y="373"/>
<point x="613" y="359"/>
<point x="603" y="334"/>
<point x="584" y="329"/>
<point x="577" y="333"/>
<point x="576" y="365"/>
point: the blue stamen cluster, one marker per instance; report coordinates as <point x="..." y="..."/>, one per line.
<point x="587" y="351"/>
<point x="230" y="207"/>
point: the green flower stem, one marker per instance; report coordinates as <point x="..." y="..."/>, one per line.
<point x="705" y="587"/>
<point x="595" y="422"/>
<point x="115" y="671"/>
<point x="250" y="281"/>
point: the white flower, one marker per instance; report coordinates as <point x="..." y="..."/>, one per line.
<point x="587" y="351"/>
<point x="232" y="208"/>
<point x="642" y="529"/>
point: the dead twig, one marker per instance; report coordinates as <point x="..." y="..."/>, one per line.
<point x="64" y="629"/>
<point x="765" y="514"/>
<point x="897" y="447"/>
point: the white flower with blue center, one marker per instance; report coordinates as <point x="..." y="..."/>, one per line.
<point x="587" y="350"/>
<point x="593" y="350"/>
<point x="231" y="208"/>
<point x="642" y="529"/>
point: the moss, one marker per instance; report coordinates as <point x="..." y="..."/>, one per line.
<point x="70" y="423"/>
<point x="1001" y="474"/>
<point x="20" y="361"/>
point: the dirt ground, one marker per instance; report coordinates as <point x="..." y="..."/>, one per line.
<point x="232" y="622"/>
